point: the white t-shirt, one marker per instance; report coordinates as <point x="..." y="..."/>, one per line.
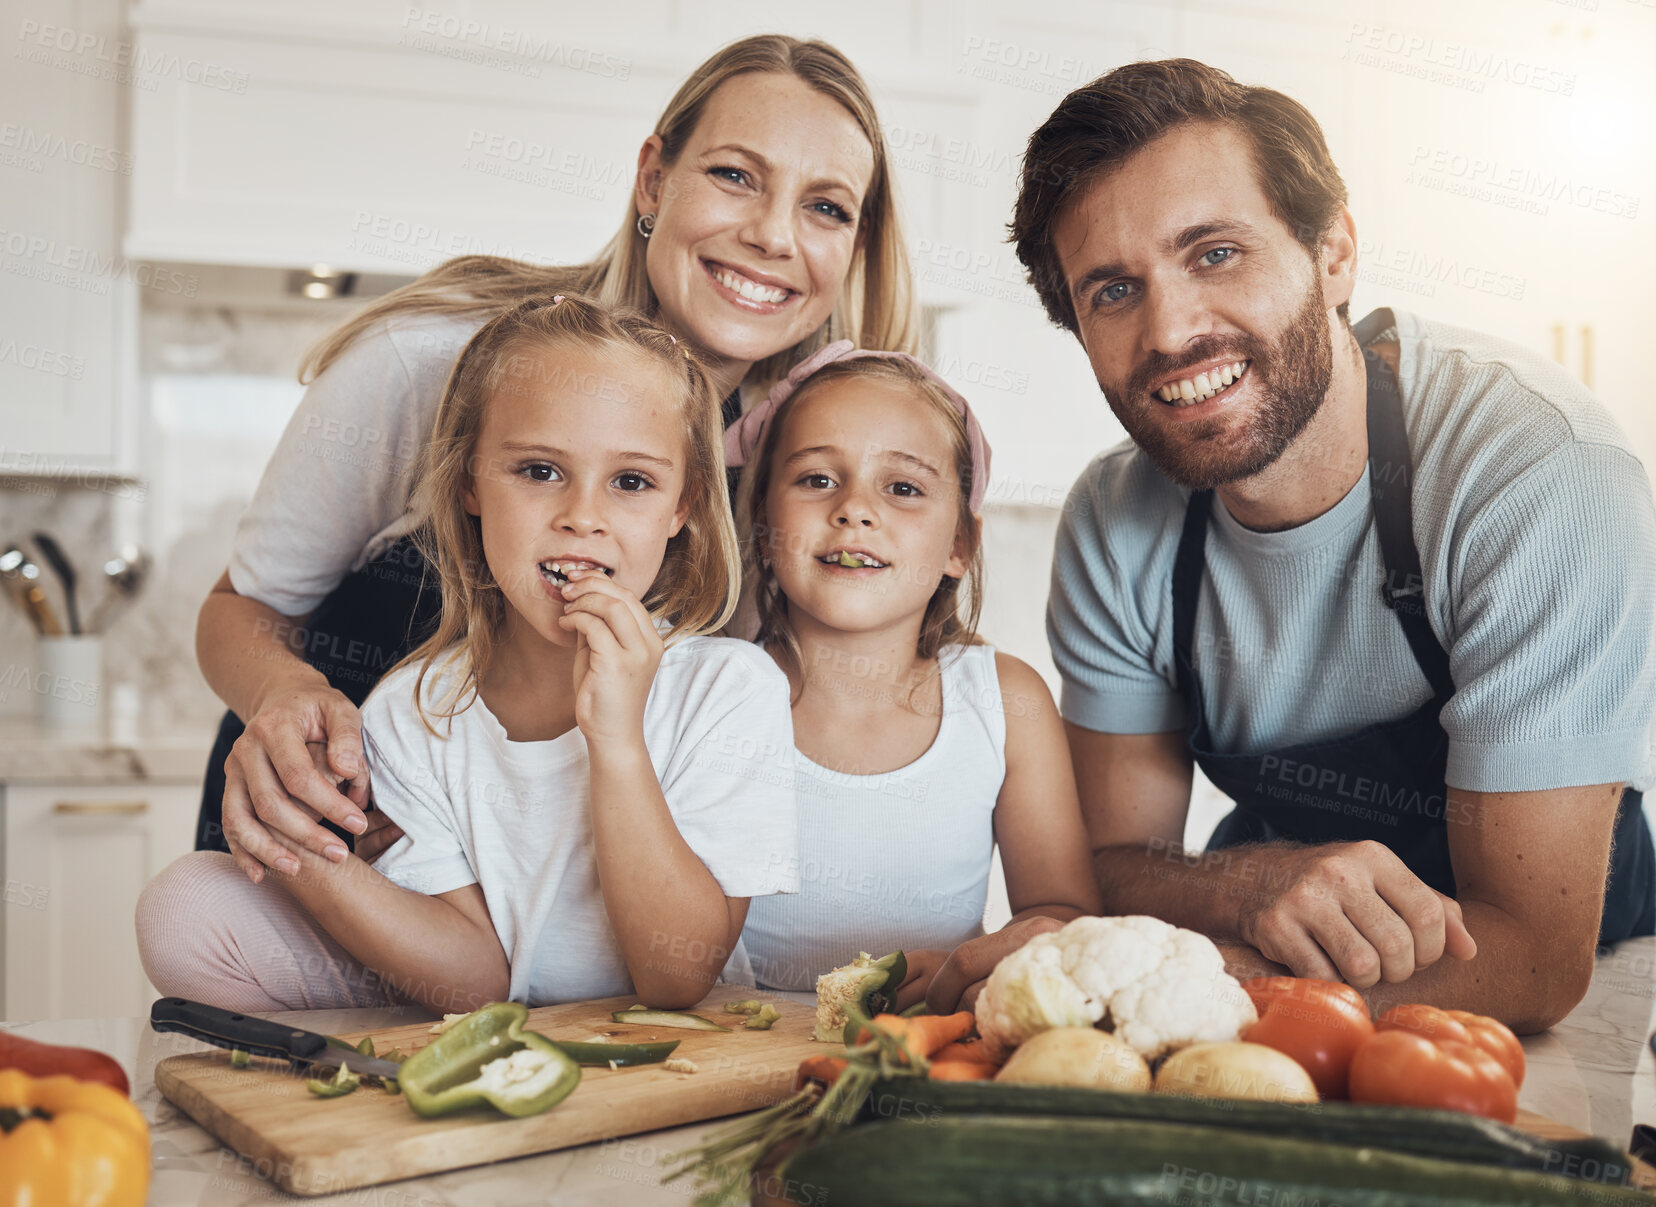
<point x="515" y="817"/>
<point x="864" y="886"/>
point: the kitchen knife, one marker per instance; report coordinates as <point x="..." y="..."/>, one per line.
<point x="261" y="1037"/>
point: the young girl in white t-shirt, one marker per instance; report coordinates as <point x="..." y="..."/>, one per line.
<point x="918" y="748"/>
<point x="590" y="790"/>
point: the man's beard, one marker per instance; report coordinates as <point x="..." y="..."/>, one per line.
<point x="1290" y="376"/>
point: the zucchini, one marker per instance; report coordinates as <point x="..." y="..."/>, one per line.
<point x="1447" y="1135"/>
<point x="972" y="1160"/>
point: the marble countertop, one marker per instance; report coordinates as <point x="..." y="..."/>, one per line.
<point x="1594" y="1072"/>
<point x="34" y="754"/>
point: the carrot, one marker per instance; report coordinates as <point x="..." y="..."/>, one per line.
<point x="973" y="1050"/>
<point x="961" y="1070"/>
<point x="924" y="1033"/>
<point x="823" y="1069"/>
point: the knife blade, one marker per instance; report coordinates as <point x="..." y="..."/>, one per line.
<point x="261" y="1037"/>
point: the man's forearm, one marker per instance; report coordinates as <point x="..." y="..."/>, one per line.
<point x="1518" y="976"/>
<point x="1199" y="892"/>
<point x="421" y="947"/>
<point x="246" y="650"/>
<point x="1513" y="977"/>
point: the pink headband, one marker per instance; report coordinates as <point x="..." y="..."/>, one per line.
<point x="743" y="436"/>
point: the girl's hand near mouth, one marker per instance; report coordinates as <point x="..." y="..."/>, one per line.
<point x="616" y="657"/>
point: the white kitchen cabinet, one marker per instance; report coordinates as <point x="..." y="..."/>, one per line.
<point x="67" y="295"/>
<point x="76" y="858"/>
<point x="385" y="137"/>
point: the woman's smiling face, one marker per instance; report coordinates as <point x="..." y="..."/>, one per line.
<point x="757" y="222"/>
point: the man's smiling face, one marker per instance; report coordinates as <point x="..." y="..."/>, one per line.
<point x="1206" y="321"/>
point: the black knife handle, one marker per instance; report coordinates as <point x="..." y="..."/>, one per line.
<point x="227" y="1029"/>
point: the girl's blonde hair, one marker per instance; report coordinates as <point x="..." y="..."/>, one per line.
<point x="953" y="610"/>
<point x="695" y="590"/>
<point x="877" y="306"/>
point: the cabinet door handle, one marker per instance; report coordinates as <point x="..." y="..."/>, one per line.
<point x="116" y="808"/>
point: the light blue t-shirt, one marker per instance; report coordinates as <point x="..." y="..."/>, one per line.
<point x="1537" y="540"/>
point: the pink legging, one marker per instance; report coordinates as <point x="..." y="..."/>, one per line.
<point x="208" y="933"/>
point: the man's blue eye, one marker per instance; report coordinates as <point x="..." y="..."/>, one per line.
<point x="1116" y="292"/>
<point x="1225" y="252"/>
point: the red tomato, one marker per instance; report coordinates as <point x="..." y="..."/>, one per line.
<point x="1496" y="1038"/>
<point x="1266" y="989"/>
<point x="1401" y="1068"/>
<point x="1428" y="1022"/>
<point x="1462" y="1026"/>
<point x="1319" y="1024"/>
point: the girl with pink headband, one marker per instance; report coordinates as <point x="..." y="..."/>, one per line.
<point x="918" y="747"/>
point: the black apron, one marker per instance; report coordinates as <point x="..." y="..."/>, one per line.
<point x="366" y="625"/>
<point x="1384" y="782"/>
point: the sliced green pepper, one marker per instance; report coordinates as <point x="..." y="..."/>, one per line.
<point x="665" y="1018"/>
<point x="343" y="1083"/>
<point x="748" y="1007"/>
<point x="619" y="1055"/>
<point x="366" y="1046"/>
<point x="240" y="1058"/>
<point x="487" y="1057"/>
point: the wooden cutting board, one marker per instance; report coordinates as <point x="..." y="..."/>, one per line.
<point x="310" y="1146"/>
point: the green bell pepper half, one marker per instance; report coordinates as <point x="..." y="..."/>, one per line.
<point x="881" y="996"/>
<point x="449" y="1074"/>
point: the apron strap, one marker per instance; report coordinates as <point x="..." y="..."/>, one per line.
<point x="1391" y="473"/>
<point x="1188" y="565"/>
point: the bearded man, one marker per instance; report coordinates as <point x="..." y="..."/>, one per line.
<point x="1390" y="584"/>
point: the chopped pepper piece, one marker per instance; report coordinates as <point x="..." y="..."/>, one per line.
<point x="488" y="1058"/>
<point x="343" y="1083"/>
<point x="765" y="1019"/>
<point x="366" y="1047"/>
<point x="240" y="1058"/>
<point x="748" y="1007"/>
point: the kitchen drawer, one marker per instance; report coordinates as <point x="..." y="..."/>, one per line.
<point x="76" y="856"/>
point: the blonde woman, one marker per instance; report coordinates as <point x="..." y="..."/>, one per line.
<point x="762" y="225"/>
<point x="550" y="749"/>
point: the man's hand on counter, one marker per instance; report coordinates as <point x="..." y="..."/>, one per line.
<point x="1349" y="911"/>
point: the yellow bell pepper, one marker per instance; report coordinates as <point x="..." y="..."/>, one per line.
<point x="70" y="1142"/>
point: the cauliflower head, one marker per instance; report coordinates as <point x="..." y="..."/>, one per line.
<point x="1158" y="987"/>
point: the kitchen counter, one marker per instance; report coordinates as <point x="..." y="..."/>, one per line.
<point x="1594" y="1071"/>
<point x="34" y="754"/>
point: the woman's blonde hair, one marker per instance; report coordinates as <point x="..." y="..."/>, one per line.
<point x="953" y="610"/>
<point x="876" y="308"/>
<point x="695" y="590"/>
